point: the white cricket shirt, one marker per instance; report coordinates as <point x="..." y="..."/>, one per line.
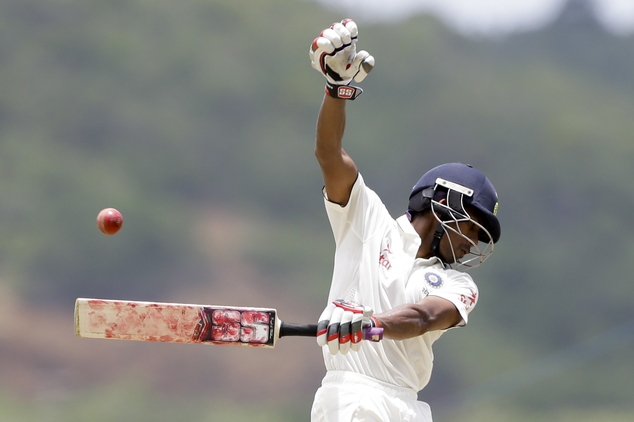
<point x="376" y="265"/>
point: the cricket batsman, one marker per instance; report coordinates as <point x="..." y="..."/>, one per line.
<point x="405" y="275"/>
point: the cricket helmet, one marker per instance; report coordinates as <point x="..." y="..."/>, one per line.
<point x="460" y="185"/>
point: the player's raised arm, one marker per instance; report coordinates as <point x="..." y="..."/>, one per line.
<point x="338" y="169"/>
<point x="334" y="55"/>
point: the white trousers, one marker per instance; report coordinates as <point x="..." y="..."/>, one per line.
<point x="351" y="397"/>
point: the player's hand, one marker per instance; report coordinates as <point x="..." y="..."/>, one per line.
<point x="334" y="54"/>
<point x="341" y="326"/>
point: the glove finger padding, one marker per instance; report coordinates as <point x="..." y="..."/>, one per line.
<point x="364" y="62"/>
<point x="356" y="328"/>
<point x="345" y="332"/>
<point x="322" y="325"/>
<point x="334" y="54"/>
<point x="335" y="38"/>
<point x="352" y="27"/>
<point x="342" y="33"/>
<point x="341" y="326"/>
<point x="333" y="330"/>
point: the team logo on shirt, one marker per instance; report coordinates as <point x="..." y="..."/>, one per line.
<point x="434" y="280"/>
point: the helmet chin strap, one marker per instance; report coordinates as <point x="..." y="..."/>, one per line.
<point x="452" y="210"/>
<point x="436" y="241"/>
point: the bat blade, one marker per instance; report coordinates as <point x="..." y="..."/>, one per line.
<point x="183" y="323"/>
<point x="179" y="323"/>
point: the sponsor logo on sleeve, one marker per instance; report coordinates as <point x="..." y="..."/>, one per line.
<point x="469" y="301"/>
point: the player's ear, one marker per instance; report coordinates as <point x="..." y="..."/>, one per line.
<point x="438" y="210"/>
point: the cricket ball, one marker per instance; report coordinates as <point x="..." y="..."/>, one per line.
<point x="109" y="221"/>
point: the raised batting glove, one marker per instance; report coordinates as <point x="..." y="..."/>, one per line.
<point x="341" y="326"/>
<point x="334" y="55"/>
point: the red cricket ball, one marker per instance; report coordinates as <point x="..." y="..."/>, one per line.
<point x="109" y="221"/>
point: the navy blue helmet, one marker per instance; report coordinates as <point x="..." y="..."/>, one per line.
<point x="461" y="185"/>
<point x="448" y="190"/>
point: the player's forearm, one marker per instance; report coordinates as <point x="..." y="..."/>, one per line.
<point x="331" y="125"/>
<point x="412" y="320"/>
<point x="403" y="322"/>
<point x="338" y="169"/>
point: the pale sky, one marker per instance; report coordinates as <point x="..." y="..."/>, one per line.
<point x="490" y="16"/>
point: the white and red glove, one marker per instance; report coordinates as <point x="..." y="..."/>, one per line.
<point x="334" y="55"/>
<point x="342" y="326"/>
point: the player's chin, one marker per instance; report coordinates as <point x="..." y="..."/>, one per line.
<point x="456" y="256"/>
<point x="448" y="258"/>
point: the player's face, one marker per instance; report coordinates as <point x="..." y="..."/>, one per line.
<point x="454" y="246"/>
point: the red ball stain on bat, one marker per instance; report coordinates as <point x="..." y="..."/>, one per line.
<point x="254" y="317"/>
<point x="225" y="332"/>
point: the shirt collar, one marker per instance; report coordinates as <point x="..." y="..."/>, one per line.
<point x="406" y="226"/>
<point x="412" y="236"/>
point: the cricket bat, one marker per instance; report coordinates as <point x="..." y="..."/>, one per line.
<point x="182" y="323"/>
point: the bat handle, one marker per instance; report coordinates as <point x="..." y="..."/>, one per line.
<point x="373" y="333"/>
<point x="303" y="330"/>
<point x="310" y="330"/>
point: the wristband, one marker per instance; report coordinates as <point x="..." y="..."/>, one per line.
<point x="374" y="322"/>
<point x="344" y="92"/>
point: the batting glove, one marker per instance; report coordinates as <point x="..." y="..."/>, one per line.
<point x="334" y="55"/>
<point x="342" y="326"/>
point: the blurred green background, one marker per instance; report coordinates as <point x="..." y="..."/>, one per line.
<point x="196" y="120"/>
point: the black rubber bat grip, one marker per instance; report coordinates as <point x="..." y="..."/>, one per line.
<point x="304" y="330"/>
<point x="310" y="330"/>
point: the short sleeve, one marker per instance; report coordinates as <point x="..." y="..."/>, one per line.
<point x="461" y="290"/>
<point x="361" y="216"/>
